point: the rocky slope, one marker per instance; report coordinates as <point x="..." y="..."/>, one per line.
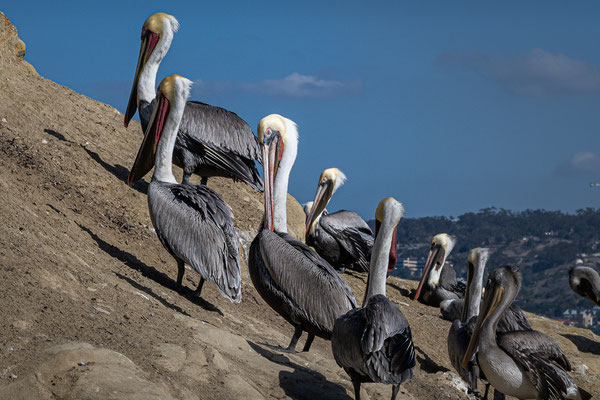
<point x="89" y="309"/>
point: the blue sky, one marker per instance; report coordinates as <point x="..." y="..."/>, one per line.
<point x="447" y="106"/>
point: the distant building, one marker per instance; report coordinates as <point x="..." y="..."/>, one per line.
<point x="587" y="319"/>
<point x="414" y="266"/>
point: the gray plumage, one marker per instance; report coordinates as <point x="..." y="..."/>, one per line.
<point x="539" y="355"/>
<point x="298" y="284"/>
<point x="447" y="288"/>
<point x="196" y="226"/>
<point x="458" y="341"/>
<point x="524" y="364"/>
<point x="463" y="324"/>
<point x="374" y="344"/>
<point x="343" y="238"/>
<point x="585" y="282"/>
<point x="213" y="141"/>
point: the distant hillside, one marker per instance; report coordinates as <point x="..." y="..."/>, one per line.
<point x="543" y="243"/>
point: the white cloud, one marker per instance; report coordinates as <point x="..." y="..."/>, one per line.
<point x="583" y="163"/>
<point x="535" y="73"/>
<point x="298" y="85"/>
<point x="293" y="85"/>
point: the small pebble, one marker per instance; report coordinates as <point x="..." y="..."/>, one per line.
<point x="3" y="119"/>
<point x="13" y="376"/>
<point x="92" y="315"/>
<point x="82" y="363"/>
<point x="44" y="141"/>
<point x="11" y="349"/>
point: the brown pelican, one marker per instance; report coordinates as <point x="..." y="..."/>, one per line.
<point x="524" y="364"/>
<point x="462" y="328"/>
<point x="342" y="238"/>
<point x="463" y="325"/>
<point x="290" y="276"/>
<point x="585" y="282"/>
<point x="438" y="282"/>
<point x="192" y="222"/>
<point x="374" y="343"/>
<point x="211" y="141"/>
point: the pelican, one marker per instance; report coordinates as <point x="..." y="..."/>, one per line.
<point x="290" y="276"/>
<point x="374" y="343"/>
<point x="523" y="364"/>
<point x="462" y="327"/>
<point x="585" y="282"/>
<point x="192" y="222"/>
<point x="211" y="141"/>
<point x="438" y="282"/>
<point x="342" y="238"/>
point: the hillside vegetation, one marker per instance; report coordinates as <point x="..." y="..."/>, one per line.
<point x="543" y="243"/>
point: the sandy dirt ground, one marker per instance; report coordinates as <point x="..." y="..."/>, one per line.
<point x="89" y="308"/>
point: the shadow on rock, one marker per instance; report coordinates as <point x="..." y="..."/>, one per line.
<point x="58" y="135"/>
<point x="152" y="273"/>
<point x="403" y="291"/>
<point x="584" y="344"/>
<point x="119" y="171"/>
<point x="427" y="364"/>
<point x="301" y="383"/>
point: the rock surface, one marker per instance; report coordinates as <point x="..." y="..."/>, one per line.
<point x="89" y="306"/>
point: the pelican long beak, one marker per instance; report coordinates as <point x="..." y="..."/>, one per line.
<point x="468" y="294"/>
<point x="435" y="257"/>
<point x="272" y="150"/>
<point x="322" y="197"/>
<point x="149" y="41"/>
<point x="490" y="303"/>
<point x="144" y="161"/>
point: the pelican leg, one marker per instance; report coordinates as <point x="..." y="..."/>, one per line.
<point x="342" y="270"/>
<point x="498" y="395"/>
<point x="395" y="389"/>
<point x="292" y="347"/>
<point x="204" y="180"/>
<point x="309" y="340"/>
<point x="199" y="288"/>
<point x="487" y="389"/>
<point x="180" y="270"/>
<point x="186" y="178"/>
<point x="356" y="384"/>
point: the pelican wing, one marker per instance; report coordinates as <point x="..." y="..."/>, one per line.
<point x="387" y="341"/>
<point x="219" y="128"/>
<point x="541" y="356"/>
<point x="375" y="342"/>
<point x="458" y="342"/>
<point x="238" y="167"/>
<point x="196" y="225"/>
<point x="306" y="279"/>
<point x="449" y="282"/>
<point x="587" y="290"/>
<point x="352" y="233"/>
<point x="513" y="319"/>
